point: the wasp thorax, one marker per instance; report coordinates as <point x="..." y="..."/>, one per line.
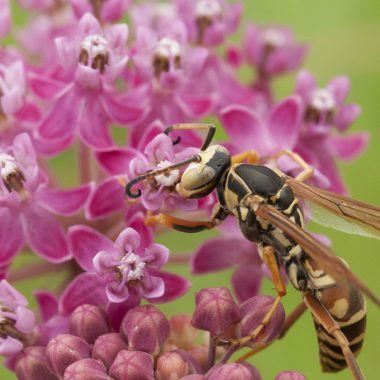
<point x="131" y="267"/>
<point x="166" y="54"/>
<point x="168" y="178"/>
<point x="94" y="52"/>
<point x="12" y="175"/>
<point x="321" y="107"/>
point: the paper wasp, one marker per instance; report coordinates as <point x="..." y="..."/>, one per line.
<point x="265" y="203"/>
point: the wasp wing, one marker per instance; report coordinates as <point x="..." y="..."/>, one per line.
<point x="320" y="253"/>
<point x="346" y="214"/>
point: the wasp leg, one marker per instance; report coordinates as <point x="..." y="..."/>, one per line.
<point x="270" y="259"/>
<point x="289" y="322"/>
<point x="323" y="317"/>
<point x="209" y="127"/>
<point x="307" y="171"/>
<point x="250" y="155"/>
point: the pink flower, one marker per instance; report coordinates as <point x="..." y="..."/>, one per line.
<point x="209" y="22"/>
<point x="126" y="270"/>
<point x="16" y="319"/>
<point x="26" y="205"/>
<point x="88" y="103"/>
<point x="5" y="17"/>
<point x="323" y="111"/>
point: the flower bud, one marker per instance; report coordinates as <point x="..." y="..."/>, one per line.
<point x="32" y="365"/>
<point x="171" y="366"/>
<point x="146" y="328"/>
<point x="86" y="369"/>
<point x="193" y="377"/>
<point x="107" y="346"/>
<point x="200" y="354"/>
<point x="88" y="322"/>
<point x="254" y="371"/>
<point x="64" y="350"/>
<point x="182" y="334"/>
<point x="253" y="311"/>
<point x="132" y="365"/>
<point x="215" y="310"/>
<point x="230" y="371"/>
<point x="290" y="375"/>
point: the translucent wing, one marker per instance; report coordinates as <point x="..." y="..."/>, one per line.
<point x="337" y="211"/>
<point x="320" y="253"/>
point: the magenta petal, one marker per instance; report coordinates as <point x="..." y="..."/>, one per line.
<point x="93" y="125"/>
<point x="116" y="161"/>
<point x="240" y="124"/>
<point x="117" y="311"/>
<point x="85" y="243"/>
<point x="219" y="253"/>
<point x="60" y="120"/>
<point x="10" y="346"/>
<point x="246" y="281"/>
<point x="346" y="116"/>
<point x="107" y="198"/>
<point x="85" y="288"/>
<point x="340" y="87"/>
<point x="116" y="293"/>
<point x="305" y="85"/>
<point x="44" y="234"/>
<point x="196" y="106"/>
<point x="153" y="287"/>
<point x="284" y="123"/>
<point x="64" y="202"/>
<point x="348" y="147"/>
<point x="11" y="235"/>
<point x="175" y="286"/>
<point x="158" y="255"/>
<point x="128" y="240"/>
<point x="44" y="87"/>
<point x="25" y="320"/>
<point x="47" y="302"/>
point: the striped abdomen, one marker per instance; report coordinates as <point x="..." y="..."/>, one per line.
<point x="347" y="306"/>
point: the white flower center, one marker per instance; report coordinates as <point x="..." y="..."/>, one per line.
<point x="132" y="266"/>
<point x="208" y="8"/>
<point x="8" y="165"/>
<point x="94" y="52"/>
<point x="322" y="100"/>
<point x="168" y="48"/>
<point x="273" y="37"/>
<point x="169" y="178"/>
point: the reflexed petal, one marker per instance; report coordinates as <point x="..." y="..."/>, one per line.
<point x="305" y="84"/>
<point x="158" y="255"/>
<point x="103" y="262"/>
<point x="93" y="125"/>
<point x="25" y="320"/>
<point x="348" y="147"/>
<point x="10" y="346"/>
<point x="340" y="87"/>
<point x="44" y="234"/>
<point x="219" y="253"/>
<point x="65" y="202"/>
<point x="85" y="288"/>
<point x="175" y="286"/>
<point x="346" y="116"/>
<point x="246" y="281"/>
<point x="284" y="123"/>
<point x="47" y="302"/>
<point x="196" y="106"/>
<point x="107" y="198"/>
<point x="11" y="234"/>
<point x="116" y="161"/>
<point x="85" y="243"/>
<point x="128" y="240"/>
<point x="244" y="128"/>
<point x="117" y="293"/>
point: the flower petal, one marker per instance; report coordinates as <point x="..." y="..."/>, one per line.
<point x="106" y="199"/>
<point x="348" y="147"/>
<point x="159" y="255"/>
<point x="128" y="240"/>
<point x="116" y="160"/>
<point x="44" y="234"/>
<point x="246" y="281"/>
<point x="346" y="116"/>
<point x="85" y="243"/>
<point x="85" y="288"/>
<point x="64" y="202"/>
<point x="47" y="302"/>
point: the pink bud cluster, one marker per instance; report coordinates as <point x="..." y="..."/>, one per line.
<point x="100" y="92"/>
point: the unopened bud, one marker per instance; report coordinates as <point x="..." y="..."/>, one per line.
<point x="107" y="346"/>
<point x="146" y="328"/>
<point x="290" y="375"/>
<point x="194" y="377"/>
<point x="64" y="350"/>
<point x="132" y="365"/>
<point x="86" y="369"/>
<point x="88" y="322"/>
<point x="230" y="371"/>
<point x="182" y="333"/>
<point x="253" y="312"/>
<point x="215" y="310"/>
<point x="171" y="366"/>
<point x="32" y="365"/>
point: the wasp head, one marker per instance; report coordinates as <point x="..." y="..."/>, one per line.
<point x="202" y="177"/>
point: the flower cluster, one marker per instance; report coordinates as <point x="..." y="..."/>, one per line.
<point x="101" y="92"/>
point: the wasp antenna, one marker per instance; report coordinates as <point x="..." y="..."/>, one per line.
<point x="154" y="173"/>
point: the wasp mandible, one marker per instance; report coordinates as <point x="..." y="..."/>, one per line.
<point x="266" y="204"/>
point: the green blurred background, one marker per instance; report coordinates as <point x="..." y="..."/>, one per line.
<point x="344" y="39"/>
